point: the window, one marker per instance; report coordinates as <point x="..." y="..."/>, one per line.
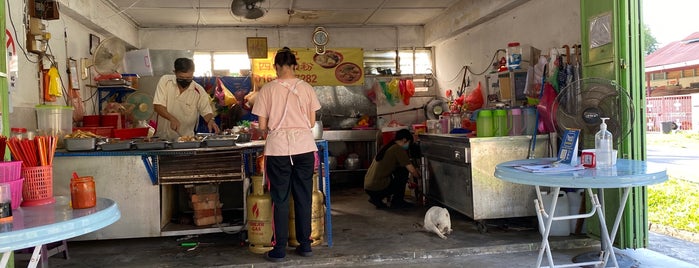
<point x="411" y="61"/>
<point x="221" y="64"/>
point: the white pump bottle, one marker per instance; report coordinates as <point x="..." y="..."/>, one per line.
<point x="603" y="146"/>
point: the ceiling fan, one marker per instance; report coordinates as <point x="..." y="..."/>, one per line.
<point x="247" y="9"/>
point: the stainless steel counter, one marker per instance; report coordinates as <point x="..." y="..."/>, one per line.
<point x="459" y="173"/>
<point x="350" y="135"/>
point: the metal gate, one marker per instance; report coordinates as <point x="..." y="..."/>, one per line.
<point x="674" y="109"/>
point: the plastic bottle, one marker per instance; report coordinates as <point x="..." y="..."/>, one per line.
<point x="444" y="123"/>
<point x="484" y="123"/>
<point x="514" y="56"/>
<point x="529" y="121"/>
<point x="516" y="122"/>
<point x="18" y="132"/>
<point x="603" y="146"/>
<point x="500" y="123"/>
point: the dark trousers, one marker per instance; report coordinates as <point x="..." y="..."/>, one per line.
<point x="291" y="175"/>
<point x="395" y="190"/>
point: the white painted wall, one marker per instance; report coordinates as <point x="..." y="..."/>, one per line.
<point x="234" y="39"/>
<point x="543" y="24"/>
<point x="78" y="19"/>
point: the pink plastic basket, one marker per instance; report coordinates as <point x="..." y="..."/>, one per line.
<point x="10" y="170"/>
<point x="16" y="192"/>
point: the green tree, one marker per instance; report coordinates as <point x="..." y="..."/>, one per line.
<point x="650" y="44"/>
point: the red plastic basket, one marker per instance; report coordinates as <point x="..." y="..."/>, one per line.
<point x="91" y="121"/>
<point x="10" y="171"/>
<point x="16" y="192"/>
<point x="38" y="186"/>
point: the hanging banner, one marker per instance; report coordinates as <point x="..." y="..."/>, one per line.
<point x="12" y="60"/>
<point x="337" y="67"/>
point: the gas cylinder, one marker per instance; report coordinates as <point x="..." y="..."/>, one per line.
<point x="259" y="209"/>
<point x="317" y="216"/>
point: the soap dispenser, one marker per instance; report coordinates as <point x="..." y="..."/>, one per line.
<point x="603" y="146"/>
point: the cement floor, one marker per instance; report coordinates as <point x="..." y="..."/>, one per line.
<point x="362" y="236"/>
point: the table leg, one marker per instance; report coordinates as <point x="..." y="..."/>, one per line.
<point x="607" y="243"/>
<point x="540" y="213"/>
<point x="615" y="227"/>
<point x="5" y="258"/>
<point x="36" y="257"/>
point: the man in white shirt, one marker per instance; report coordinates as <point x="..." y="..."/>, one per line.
<point x="180" y="101"/>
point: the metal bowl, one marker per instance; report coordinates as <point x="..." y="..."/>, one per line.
<point x="332" y="162"/>
<point x="352" y="163"/>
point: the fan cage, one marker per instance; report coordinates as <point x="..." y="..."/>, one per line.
<point x="581" y="105"/>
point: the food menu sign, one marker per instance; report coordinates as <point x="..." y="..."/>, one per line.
<point x="337" y="67"/>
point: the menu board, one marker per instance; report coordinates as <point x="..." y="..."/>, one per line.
<point x="337" y="67"/>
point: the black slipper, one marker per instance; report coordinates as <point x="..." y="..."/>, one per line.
<point x="273" y="259"/>
<point x="378" y="203"/>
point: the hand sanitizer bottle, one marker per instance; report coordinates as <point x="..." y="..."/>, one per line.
<point x="603" y="146"/>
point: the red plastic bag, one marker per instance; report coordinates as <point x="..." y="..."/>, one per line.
<point x="474" y="100"/>
<point x="545" y="108"/>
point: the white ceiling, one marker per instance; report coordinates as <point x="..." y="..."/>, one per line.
<point x="217" y="13"/>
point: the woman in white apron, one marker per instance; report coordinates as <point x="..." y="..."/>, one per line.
<point x="286" y="108"/>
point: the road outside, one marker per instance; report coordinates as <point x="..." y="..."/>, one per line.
<point x="679" y="153"/>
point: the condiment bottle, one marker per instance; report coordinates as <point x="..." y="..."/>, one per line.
<point x="18" y="132"/>
<point x="82" y="192"/>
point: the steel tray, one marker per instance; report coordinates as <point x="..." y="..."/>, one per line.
<point x="185" y="144"/>
<point x="220" y="141"/>
<point x="116" y="146"/>
<point x="154" y="145"/>
<point x="79" y="144"/>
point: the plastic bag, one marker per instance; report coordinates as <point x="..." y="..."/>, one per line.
<point x="474" y="100"/>
<point x="224" y="96"/>
<point x="407" y="90"/>
<point x="545" y="108"/>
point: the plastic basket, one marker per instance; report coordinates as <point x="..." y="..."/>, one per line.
<point x="38" y="186"/>
<point x="16" y="192"/>
<point x="129" y="133"/>
<point x="10" y="171"/>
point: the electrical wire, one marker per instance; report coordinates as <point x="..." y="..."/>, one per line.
<point x="492" y="60"/>
<point x="14" y="29"/>
<point x="196" y="33"/>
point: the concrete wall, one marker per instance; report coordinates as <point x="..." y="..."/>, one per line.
<point x="543" y="24"/>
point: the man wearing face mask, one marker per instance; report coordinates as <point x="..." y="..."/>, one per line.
<point x="388" y="173"/>
<point x="180" y="101"/>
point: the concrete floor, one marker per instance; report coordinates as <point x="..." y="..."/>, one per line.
<point x="362" y="236"/>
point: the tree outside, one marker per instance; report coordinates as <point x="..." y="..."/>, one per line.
<point x="650" y="44"/>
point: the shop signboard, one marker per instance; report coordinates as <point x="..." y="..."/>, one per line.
<point x="337" y="67"/>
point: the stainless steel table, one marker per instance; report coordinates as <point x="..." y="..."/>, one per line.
<point x="39" y="225"/>
<point x="626" y="174"/>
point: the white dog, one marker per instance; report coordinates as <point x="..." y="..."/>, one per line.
<point x="437" y="220"/>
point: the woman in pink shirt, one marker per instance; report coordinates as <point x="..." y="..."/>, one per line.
<point x="286" y="108"/>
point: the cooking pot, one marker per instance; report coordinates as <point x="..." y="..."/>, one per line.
<point x="352" y="162"/>
<point x="318" y="130"/>
<point x="332" y="162"/>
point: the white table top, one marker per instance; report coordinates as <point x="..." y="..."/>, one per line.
<point x="45" y="224"/>
<point x="626" y="173"/>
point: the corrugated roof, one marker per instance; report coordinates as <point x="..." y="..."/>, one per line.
<point x="685" y="50"/>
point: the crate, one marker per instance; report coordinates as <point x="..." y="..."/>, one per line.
<point x="10" y="170"/>
<point x="130" y="133"/>
<point x="91" y="121"/>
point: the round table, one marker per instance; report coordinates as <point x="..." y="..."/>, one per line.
<point x="39" y="225"/>
<point x="625" y="174"/>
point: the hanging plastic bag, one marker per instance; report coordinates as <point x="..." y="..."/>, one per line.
<point x="224" y="96"/>
<point x="387" y="93"/>
<point x="54" y="82"/>
<point x="407" y="90"/>
<point x="545" y="109"/>
<point x="394" y="91"/>
<point x="474" y="100"/>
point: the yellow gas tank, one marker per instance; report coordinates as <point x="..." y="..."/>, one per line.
<point x="259" y="210"/>
<point x="317" y="216"/>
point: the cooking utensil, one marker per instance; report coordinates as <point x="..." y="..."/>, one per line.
<point x="352" y="162"/>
